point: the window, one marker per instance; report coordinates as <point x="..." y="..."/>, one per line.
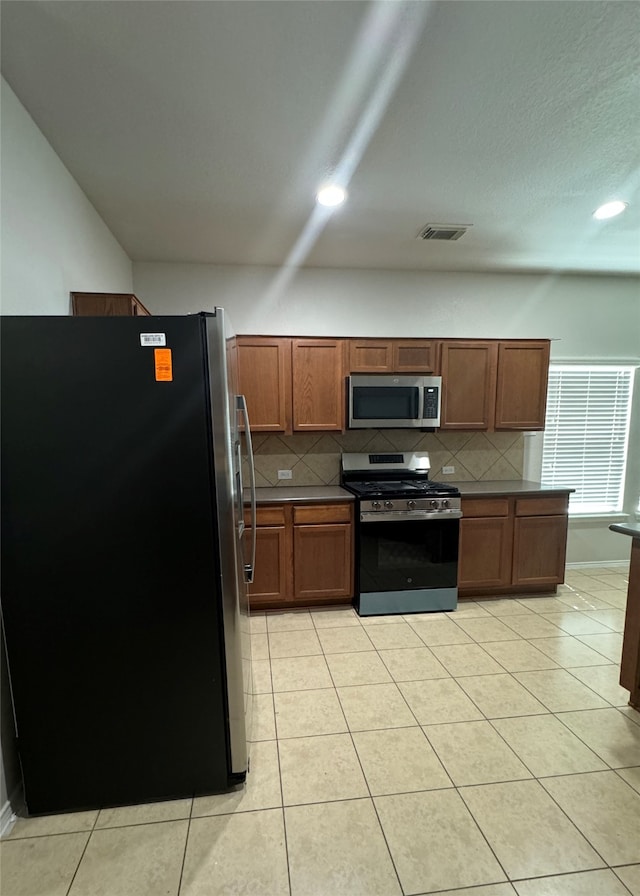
<point x="586" y="434"/>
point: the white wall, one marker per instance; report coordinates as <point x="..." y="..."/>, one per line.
<point x="590" y="317"/>
<point x="587" y="317"/>
<point x="53" y="241"/>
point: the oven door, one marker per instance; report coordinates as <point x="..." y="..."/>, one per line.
<point x="407" y="566"/>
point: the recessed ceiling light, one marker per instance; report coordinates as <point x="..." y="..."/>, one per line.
<point x="331" y="195"/>
<point x="610" y="209"/>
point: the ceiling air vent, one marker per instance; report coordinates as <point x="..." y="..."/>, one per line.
<point x="443" y="231"/>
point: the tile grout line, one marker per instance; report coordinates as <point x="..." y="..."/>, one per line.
<point x="350" y="732"/>
<point x="84" y="852"/>
<point x="548" y="708"/>
<point x="582" y="833"/>
<point x="367" y="785"/>
<point x="570" y="671"/>
<point x="350" y="735"/>
<point x="186" y="846"/>
<point x="593" y="750"/>
<point x="272" y="692"/>
<point x="284" y="816"/>
<point x="451" y="786"/>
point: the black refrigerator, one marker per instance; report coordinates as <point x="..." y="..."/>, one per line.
<point x="124" y="558"/>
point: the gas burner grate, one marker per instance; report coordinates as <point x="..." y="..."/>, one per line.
<point x="400" y="488"/>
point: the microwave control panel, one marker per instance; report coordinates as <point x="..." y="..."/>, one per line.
<point x="431" y="403"/>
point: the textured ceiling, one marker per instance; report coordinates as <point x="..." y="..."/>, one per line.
<point x="200" y="130"/>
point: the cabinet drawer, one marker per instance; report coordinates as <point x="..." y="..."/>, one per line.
<point x="477" y="507"/>
<point x="542" y="506"/>
<point x="323" y="513"/>
<point x="266" y="515"/>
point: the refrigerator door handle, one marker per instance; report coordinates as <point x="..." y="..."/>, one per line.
<point x="239" y="501"/>
<point x="249" y="568"/>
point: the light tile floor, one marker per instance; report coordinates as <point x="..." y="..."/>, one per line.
<point x="487" y="752"/>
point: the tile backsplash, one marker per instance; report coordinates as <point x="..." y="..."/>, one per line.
<point x="314" y="458"/>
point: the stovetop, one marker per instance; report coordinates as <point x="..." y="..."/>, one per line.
<point x="400" y="488"/>
<point x="392" y="475"/>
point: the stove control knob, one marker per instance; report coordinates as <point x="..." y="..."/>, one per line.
<point x="375" y="505"/>
<point x="433" y="505"/>
<point x="411" y="505"/>
<point x="445" y="503"/>
<point x="388" y="505"/>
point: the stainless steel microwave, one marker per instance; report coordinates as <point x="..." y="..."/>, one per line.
<point x="385" y="401"/>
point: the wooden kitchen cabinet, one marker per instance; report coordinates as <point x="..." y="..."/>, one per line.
<point x="512" y="544"/>
<point x="486" y="543"/>
<point x="370" y="355"/>
<point x="630" y="659"/>
<point x="521" y="389"/>
<point x="298" y="384"/>
<point x="469" y="370"/>
<point x="323" y="552"/>
<point x="264" y="378"/>
<point x="494" y="384"/>
<point x="292" y="385"/>
<point x="540" y="540"/>
<point x="392" y="356"/>
<point x="107" y="304"/>
<point x="318" y="384"/>
<point x="273" y="579"/>
<point x="304" y="555"/>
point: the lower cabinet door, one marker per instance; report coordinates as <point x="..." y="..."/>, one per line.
<point x="273" y="566"/>
<point x="322" y="561"/>
<point x="539" y="550"/>
<point x="485" y="552"/>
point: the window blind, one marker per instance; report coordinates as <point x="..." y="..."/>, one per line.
<point x="587" y="433"/>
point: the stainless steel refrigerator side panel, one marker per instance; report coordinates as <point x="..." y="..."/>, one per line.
<point x="234" y="599"/>
<point x="244" y="569"/>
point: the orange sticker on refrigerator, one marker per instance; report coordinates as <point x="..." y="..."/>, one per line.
<point x="164" y="367"/>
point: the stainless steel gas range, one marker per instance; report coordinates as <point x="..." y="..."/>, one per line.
<point x="407" y="533"/>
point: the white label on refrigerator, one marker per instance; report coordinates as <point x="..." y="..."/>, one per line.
<point x="153" y="339"/>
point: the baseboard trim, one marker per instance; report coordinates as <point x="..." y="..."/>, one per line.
<point x="7" y="818"/>
<point x="614" y="564"/>
<point x="13" y="808"/>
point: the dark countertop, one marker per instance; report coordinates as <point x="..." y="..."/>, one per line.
<point x="632" y="529"/>
<point x="330" y="493"/>
<point x="499" y="488"/>
<point x="320" y="494"/>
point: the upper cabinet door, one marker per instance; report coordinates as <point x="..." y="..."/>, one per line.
<point x="392" y="356"/>
<point x="370" y="356"/>
<point x="468" y="384"/>
<point x="318" y="384"/>
<point x="415" y="356"/>
<point x="264" y="378"/>
<point x="521" y="397"/>
<point x="298" y="385"/>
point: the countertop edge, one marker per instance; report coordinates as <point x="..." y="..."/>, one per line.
<point x="311" y="494"/>
<point x="501" y="488"/>
<point x="626" y="529"/>
<point x="332" y="493"/>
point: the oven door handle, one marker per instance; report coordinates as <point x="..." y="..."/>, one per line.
<point x="399" y="516"/>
